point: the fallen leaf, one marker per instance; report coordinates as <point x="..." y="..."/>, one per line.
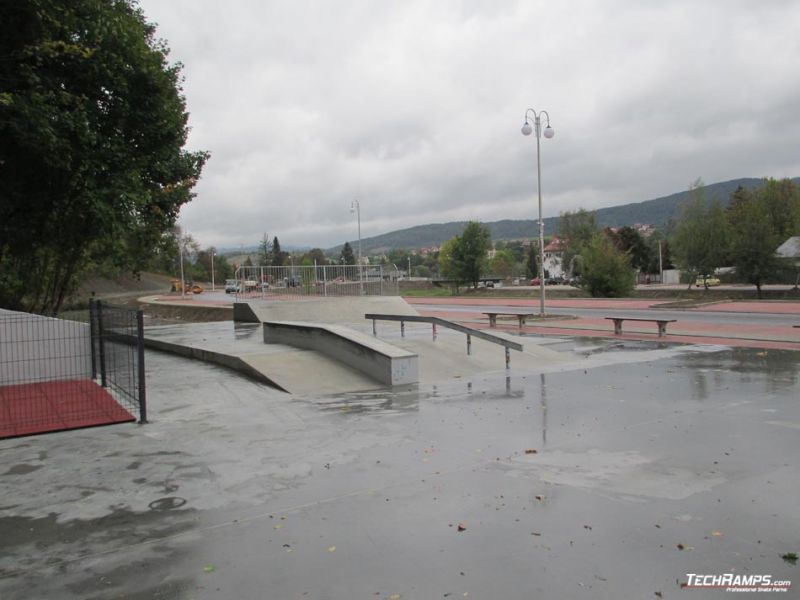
<point x="395" y="597"/>
<point x="531" y="451"/>
<point x="278" y="526"/>
<point x="539" y="497"/>
<point x="462" y="527"/>
<point x="790" y="557"/>
<point x="716" y="533"/>
<point x="332" y="549"/>
<point x="209" y="569"/>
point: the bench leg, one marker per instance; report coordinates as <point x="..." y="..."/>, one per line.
<point x="492" y="320"/>
<point x="402" y="329"/>
<point x="521" y="321"/>
<point x="374" y="330"/>
<point x="434" y="331"/>
<point x="469" y="344"/>
<point x="508" y="358"/>
<point x="662" y="328"/>
<point x="617" y="326"/>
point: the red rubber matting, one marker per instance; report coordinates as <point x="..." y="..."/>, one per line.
<point x="55" y="406"/>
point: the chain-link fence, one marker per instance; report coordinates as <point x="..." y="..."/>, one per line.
<point x="118" y="354"/>
<point x="57" y="374"/>
<point x="322" y="281"/>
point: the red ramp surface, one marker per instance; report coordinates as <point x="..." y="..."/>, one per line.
<point x="31" y="408"/>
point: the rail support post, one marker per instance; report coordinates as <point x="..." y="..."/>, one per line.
<point x="469" y="344"/>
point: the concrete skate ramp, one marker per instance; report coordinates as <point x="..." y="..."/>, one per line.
<point x="349" y="310"/>
<point x="383" y="362"/>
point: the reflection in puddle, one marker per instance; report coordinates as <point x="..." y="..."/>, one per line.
<point x="746" y="364"/>
<point x="386" y="402"/>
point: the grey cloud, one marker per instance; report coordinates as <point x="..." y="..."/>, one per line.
<point x="415" y="107"/>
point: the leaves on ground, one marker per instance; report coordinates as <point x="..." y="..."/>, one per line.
<point x="790" y="557"/>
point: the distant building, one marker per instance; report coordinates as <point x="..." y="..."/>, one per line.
<point x="554" y="257"/>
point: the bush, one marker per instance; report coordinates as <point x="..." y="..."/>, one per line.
<point x="607" y="272"/>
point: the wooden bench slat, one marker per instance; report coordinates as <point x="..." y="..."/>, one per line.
<point x="661" y="323"/>
<point x="521" y="316"/>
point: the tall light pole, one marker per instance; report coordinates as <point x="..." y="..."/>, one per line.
<point x="548" y="133"/>
<point x="183" y="277"/>
<point x="355" y="207"/>
<point x="212" y="271"/>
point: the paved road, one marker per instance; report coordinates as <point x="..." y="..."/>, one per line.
<point x="698" y="316"/>
<point x="738" y="324"/>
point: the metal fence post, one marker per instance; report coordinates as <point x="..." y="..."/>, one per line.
<point x="101" y="347"/>
<point x="140" y="348"/>
<point x="93" y="336"/>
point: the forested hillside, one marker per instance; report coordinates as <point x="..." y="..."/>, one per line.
<point x="657" y="212"/>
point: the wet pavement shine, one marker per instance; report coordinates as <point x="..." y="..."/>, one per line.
<point x="610" y="481"/>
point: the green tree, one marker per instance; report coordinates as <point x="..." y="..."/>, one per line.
<point x="577" y="229"/>
<point x="631" y="242"/>
<point x="502" y="264"/>
<point x="347" y="257"/>
<point x="607" y="271"/>
<point x="449" y="267"/>
<point x="316" y="255"/>
<point x="92" y="129"/>
<point x="657" y="242"/>
<point x="761" y="220"/>
<point x="470" y="252"/>
<point x="463" y="257"/>
<point x="279" y="257"/>
<point x="701" y="239"/>
<point x="265" y="251"/>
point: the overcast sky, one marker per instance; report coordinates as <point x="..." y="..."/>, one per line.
<point x="415" y="107"/>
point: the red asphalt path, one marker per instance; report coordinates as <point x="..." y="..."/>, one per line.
<point x="740" y="335"/>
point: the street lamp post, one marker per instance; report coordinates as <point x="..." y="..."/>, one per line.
<point x="213" y="289"/>
<point x="355" y="207"/>
<point x="548" y="133"/>
<point x="183" y="277"/>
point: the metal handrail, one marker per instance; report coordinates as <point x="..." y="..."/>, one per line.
<point x="434" y="321"/>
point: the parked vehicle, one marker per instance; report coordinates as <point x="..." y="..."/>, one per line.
<point x="708" y="281"/>
<point x="232" y="286"/>
<point x="536" y="281"/>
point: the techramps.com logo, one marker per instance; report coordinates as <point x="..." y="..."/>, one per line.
<point x="731" y="582"/>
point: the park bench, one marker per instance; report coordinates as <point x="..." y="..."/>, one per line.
<point x="520" y="315"/>
<point x="662" y="324"/>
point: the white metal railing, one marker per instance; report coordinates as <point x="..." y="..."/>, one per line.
<point x="320" y="281"/>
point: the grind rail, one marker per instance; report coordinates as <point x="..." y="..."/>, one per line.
<point x="508" y="345"/>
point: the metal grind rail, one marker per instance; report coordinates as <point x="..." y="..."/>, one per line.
<point x="508" y="345"/>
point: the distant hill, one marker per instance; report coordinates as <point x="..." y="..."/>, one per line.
<point x="657" y="212"/>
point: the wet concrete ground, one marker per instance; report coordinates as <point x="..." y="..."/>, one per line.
<point x="642" y="472"/>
